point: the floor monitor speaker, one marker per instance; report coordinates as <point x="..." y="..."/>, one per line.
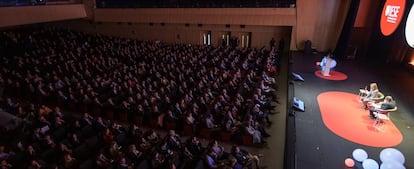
<point x="297" y="77"/>
<point x="298" y="104"/>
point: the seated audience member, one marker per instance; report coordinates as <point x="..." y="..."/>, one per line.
<point x="259" y="115"/>
<point x="48" y="142"/>
<point x="387" y="104"/>
<point x="58" y="112"/>
<point x="43" y="122"/>
<point x="158" y="161"/>
<point x="211" y="160"/>
<point x="193" y="148"/>
<point x="30" y="153"/>
<point x="35" y="164"/>
<point x="133" y="154"/>
<point x="170" y="117"/>
<point x="74" y="140"/>
<point x="265" y="88"/>
<point x="257" y="125"/>
<point x="44" y="110"/>
<point x="191" y="121"/>
<point x="134" y="132"/>
<point x="87" y="120"/>
<point x="256" y="134"/>
<point x="144" y="144"/>
<point x="100" y="124"/>
<point x="209" y="121"/>
<point x="3" y="154"/>
<point x="107" y="136"/>
<point x="37" y="135"/>
<point x="69" y="162"/>
<point x="233" y="118"/>
<point x="152" y="137"/>
<point x="58" y="122"/>
<point x="234" y="164"/>
<point x="103" y="162"/>
<point x="229" y="126"/>
<point x="5" y="165"/>
<point x="20" y="112"/>
<point x="173" y="140"/>
<point x="268" y="79"/>
<point x="11" y="105"/>
<point x="245" y="158"/>
<point x="218" y="149"/>
<point x="262" y="101"/>
<point x="114" y="150"/>
<point x="122" y="164"/>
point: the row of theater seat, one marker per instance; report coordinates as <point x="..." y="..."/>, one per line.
<point x="22" y="94"/>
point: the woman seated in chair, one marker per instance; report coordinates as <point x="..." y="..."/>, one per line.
<point x="369" y="95"/>
<point x="387" y="104"/>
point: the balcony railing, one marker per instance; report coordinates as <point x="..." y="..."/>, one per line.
<point x="5" y="3"/>
<point x="195" y="3"/>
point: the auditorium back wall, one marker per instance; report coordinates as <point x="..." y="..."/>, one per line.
<point x="320" y="21"/>
<point x="181" y="33"/>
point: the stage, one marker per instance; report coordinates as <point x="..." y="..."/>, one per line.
<point x="333" y="123"/>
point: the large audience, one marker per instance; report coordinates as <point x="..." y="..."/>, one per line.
<point x="94" y="101"/>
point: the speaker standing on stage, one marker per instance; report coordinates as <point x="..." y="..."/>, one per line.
<point x="327" y="64"/>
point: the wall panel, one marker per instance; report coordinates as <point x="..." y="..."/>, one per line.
<point x="11" y="16"/>
<point x="178" y="33"/>
<point x="320" y="21"/>
<point x="247" y="16"/>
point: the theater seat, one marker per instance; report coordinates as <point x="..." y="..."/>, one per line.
<point x="123" y="116"/>
<point x="188" y="130"/>
<point x="225" y="135"/>
<point x="138" y="120"/>
<point x="169" y="125"/>
<point x="247" y="140"/>
<point x="205" y="133"/>
<point x="88" y="164"/>
<point x="82" y="152"/>
<point x="382" y="115"/>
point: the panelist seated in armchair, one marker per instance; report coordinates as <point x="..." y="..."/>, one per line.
<point x="384" y="106"/>
<point x="371" y="95"/>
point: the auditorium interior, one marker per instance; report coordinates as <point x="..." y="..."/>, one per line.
<point x="206" y="84"/>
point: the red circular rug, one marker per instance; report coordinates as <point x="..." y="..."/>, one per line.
<point x="351" y="122"/>
<point x="334" y="75"/>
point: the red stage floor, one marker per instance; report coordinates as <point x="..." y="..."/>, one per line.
<point x="334" y="75"/>
<point x="342" y="114"/>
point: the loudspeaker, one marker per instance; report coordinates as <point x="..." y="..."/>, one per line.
<point x="298" y="104"/>
<point x="297" y="77"/>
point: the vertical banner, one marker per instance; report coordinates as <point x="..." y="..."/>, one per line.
<point x="391" y="16"/>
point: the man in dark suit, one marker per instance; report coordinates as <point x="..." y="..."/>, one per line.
<point x="387" y="104"/>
